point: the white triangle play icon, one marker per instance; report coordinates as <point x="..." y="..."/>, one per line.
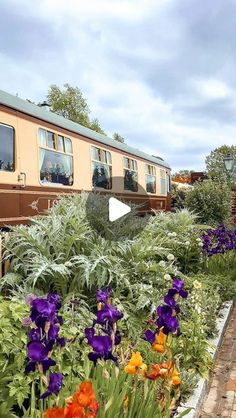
<point x="117" y="209"/>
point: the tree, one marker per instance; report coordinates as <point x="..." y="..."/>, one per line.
<point x="215" y="164"/>
<point x="95" y="126"/>
<point x="71" y="104"/>
<point x="118" y="137"/>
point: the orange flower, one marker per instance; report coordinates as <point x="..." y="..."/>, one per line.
<point x="165" y="368"/>
<point x="159" y="343"/>
<point x="126" y="402"/>
<point x="136" y="364"/>
<point x="84" y="395"/>
<point x="155" y="372"/>
<point x="175" y="377"/>
<point x="82" y="404"/>
<point x="54" y="413"/>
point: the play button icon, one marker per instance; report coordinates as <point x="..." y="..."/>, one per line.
<point x="117" y="209"/>
<point x="117" y="214"/>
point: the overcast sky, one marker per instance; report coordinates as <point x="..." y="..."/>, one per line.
<point x="162" y="73"/>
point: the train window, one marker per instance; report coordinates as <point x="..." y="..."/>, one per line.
<point x="68" y="145"/>
<point x="150" y="178"/>
<point x="6" y="148"/>
<point x="130" y="174"/>
<point x="168" y="183"/>
<point x="101" y="168"/>
<point x="163" y="181"/>
<point x="60" y="143"/>
<point x="56" y="166"/>
<point x="42" y="137"/>
<point x="51" y="143"/>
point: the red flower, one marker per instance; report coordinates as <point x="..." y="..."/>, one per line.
<point x="74" y="411"/>
<point x="155" y="372"/>
<point x="54" y="413"/>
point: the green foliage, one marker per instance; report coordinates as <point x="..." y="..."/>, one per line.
<point x="215" y="164"/>
<point x="14" y="385"/>
<point x="71" y="104"/>
<point x="178" y="196"/>
<point x="211" y="201"/>
<point x="112" y="385"/>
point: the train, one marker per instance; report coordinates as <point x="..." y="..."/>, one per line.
<point x="44" y="156"/>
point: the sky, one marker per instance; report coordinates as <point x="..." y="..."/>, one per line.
<point x="161" y="73"/>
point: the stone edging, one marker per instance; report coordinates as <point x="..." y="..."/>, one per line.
<point x="196" y="399"/>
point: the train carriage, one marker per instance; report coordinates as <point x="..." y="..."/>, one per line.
<point x="43" y="155"/>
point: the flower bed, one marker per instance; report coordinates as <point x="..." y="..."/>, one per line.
<point x="137" y="350"/>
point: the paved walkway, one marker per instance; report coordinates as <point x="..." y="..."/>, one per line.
<point x="220" y="401"/>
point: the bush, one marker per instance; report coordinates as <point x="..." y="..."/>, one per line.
<point x="178" y="196"/>
<point x="211" y="201"/>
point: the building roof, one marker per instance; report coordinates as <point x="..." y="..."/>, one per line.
<point x="31" y="109"/>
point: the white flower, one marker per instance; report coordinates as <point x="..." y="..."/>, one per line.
<point x="174" y="234"/>
<point x="167" y="277"/>
<point x="198" y="309"/>
<point x="169" y="234"/>
<point x="170" y="257"/>
<point x="162" y="263"/>
<point x="198" y="240"/>
<point x="197" y="284"/>
<point x="200" y="244"/>
<point x="187" y="243"/>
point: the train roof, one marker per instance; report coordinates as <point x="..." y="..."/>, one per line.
<point x="31" y="109"/>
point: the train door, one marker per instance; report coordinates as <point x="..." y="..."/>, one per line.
<point x="11" y="181"/>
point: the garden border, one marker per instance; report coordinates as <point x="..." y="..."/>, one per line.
<point x="196" y="399"/>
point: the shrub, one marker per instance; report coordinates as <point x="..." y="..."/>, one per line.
<point x="211" y="201"/>
<point x="178" y="196"/>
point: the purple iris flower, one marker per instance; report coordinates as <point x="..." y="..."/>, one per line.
<point x="169" y="298"/>
<point x="150" y="336"/>
<point x="44" y="314"/>
<point x="54" y="299"/>
<point x="164" y="311"/>
<point x="35" y="334"/>
<point x="117" y="338"/>
<point x="94" y="357"/>
<point x="53" y="332"/>
<point x="54" y="386"/>
<point x="102" y="349"/>
<point x="218" y="241"/>
<point x="38" y="353"/>
<point x="103" y="295"/>
<point x="178" y="285"/>
<point x="108" y="314"/>
<point x="42" y="307"/>
<point x="101" y="343"/>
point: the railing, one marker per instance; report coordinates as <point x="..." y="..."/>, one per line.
<point x="4" y="264"/>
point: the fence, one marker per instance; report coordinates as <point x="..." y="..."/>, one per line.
<point x="4" y="264"/>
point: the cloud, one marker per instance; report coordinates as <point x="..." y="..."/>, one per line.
<point x="162" y="74"/>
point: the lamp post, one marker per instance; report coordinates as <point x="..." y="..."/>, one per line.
<point x="228" y="164"/>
